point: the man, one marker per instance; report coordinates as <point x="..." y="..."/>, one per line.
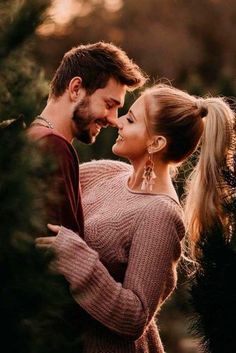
<point x="86" y="91"/>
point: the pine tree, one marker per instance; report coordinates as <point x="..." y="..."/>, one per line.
<point x="23" y="87"/>
<point x="213" y="293"/>
<point x="33" y="300"/>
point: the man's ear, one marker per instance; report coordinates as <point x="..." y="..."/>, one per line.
<point x="75" y="88"/>
<point x="158" y="144"/>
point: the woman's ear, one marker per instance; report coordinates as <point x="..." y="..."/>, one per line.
<point x="158" y="144"/>
<point x="75" y="88"/>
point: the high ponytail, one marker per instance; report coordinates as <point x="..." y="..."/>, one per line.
<point x="189" y="123"/>
<point x="203" y="204"/>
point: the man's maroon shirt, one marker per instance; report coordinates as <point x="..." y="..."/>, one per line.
<point x="64" y="207"/>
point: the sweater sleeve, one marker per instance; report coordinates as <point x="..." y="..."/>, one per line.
<point x="125" y="308"/>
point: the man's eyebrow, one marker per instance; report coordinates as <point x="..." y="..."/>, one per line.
<point x="115" y="101"/>
<point x="130" y="111"/>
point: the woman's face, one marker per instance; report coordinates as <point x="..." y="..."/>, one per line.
<point x="133" y="137"/>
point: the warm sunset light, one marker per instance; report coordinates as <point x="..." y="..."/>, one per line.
<point x="118" y="239"/>
<point x="59" y="14"/>
<point x="62" y="11"/>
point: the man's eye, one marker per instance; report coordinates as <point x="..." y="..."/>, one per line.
<point x="129" y="120"/>
<point x="109" y="106"/>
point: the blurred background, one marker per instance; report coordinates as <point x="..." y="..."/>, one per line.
<point x="187" y="42"/>
<point x="190" y="43"/>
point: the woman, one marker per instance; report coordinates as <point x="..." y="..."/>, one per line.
<point x="125" y="268"/>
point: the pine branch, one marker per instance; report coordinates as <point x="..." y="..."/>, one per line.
<point x="35" y="305"/>
<point x="21" y="24"/>
<point x="213" y="294"/>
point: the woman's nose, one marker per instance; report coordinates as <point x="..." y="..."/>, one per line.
<point x="120" y="122"/>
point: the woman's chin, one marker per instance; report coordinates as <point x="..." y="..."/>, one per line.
<point x="116" y="150"/>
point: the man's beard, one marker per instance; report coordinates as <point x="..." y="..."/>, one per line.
<point x="82" y="118"/>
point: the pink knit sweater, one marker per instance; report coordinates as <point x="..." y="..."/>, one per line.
<point x="125" y="268"/>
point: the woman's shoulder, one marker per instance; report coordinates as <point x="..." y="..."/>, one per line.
<point x="163" y="210"/>
<point x="90" y="171"/>
<point x="165" y="204"/>
<point x="105" y="166"/>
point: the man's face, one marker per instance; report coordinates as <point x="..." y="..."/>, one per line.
<point x="98" y="110"/>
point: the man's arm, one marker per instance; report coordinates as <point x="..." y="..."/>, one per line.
<point x="62" y="196"/>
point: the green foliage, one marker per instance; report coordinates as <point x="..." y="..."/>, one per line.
<point x="22" y="86"/>
<point x="19" y="19"/>
<point x="214" y="292"/>
<point x="34" y="302"/>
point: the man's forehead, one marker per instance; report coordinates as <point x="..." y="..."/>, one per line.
<point x="113" y="91"/>
<point x="119" y="101"/>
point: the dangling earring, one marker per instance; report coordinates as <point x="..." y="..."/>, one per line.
<point x="149" y="175"/>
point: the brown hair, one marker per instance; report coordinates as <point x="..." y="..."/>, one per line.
<point x="178" y="116"/>
<point x="96" y="64"/>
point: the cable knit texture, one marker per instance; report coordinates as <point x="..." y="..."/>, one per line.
<point x="125" y="267"/>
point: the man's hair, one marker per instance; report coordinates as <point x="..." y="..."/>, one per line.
<point x="96" y="64"/>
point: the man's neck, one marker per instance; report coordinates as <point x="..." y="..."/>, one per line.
<point x="57" y="112"/>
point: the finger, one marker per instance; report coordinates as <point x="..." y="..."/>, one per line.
<point x="54" y="228"/>
<point x="44" y="240"/>
<point x="42" y="246"/>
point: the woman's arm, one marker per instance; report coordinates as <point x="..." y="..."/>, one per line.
<point x="125" y="308"/>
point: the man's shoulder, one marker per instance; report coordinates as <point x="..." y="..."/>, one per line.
<point x="38" y="133"/>
<point x="51" y="141"/>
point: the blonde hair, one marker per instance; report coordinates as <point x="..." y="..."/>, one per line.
<point x="204" y="204"/>
<point x="176" y="115"/>
<point x="179" y="117"/>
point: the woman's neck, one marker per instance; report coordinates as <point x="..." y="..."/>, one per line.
<point x="163" y="183"/>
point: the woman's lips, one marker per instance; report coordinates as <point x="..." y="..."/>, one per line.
<point x="119" y="138"/>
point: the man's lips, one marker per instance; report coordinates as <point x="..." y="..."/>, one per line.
<point x="97" y="129"/>
<point x="98" y="126"/>
<point x="101" y="122"/>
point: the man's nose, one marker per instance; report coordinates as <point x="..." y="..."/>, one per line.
<point x="112" y="120"/>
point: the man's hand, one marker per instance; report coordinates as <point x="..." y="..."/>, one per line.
<point x="44" y="242"/>
<point x="47" y="242"/>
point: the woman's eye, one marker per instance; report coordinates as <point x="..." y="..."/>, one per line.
<point x="129" y="120"/>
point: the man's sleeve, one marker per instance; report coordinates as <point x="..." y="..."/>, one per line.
<point x="62" y="197"/>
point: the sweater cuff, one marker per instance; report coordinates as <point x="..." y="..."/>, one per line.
<point x="64" y="239"/>
<point x="72" y="254"/>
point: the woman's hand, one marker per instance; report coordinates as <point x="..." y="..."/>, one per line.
<point x="47" y="242"/>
